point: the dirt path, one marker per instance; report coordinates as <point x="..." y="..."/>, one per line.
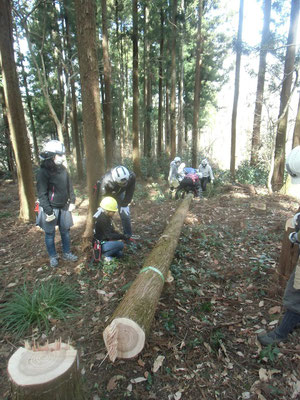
<point x="205" y="327"/>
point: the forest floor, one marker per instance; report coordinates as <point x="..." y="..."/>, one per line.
<point x="224" y="292"/>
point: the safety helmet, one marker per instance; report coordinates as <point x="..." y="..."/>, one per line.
<point x="293" y="164"/>
<point x="177" y="160"/>
<point x="109" y="204"/>
<point x="204" y="162"/>
<point x="51" y="148"/>
<point x="120" y="175"/>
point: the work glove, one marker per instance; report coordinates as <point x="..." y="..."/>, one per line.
<point x="125" y="210"/>
<point x="296" y="284"/>
<point x="296" y="221"/>
<point x="72" y="207"/>
<point x="50" y="218"/>
<point x="293" y="237"/>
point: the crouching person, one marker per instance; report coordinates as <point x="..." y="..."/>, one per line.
<point x="190" y="183"/>
<point x="105" y="231"/>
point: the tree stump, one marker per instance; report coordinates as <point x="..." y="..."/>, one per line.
<point x="288" y="256"/>
<point x="129" y="325"/>
<point x="47" y="373"/>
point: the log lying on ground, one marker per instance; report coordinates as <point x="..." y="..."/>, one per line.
<point x="47" y="373"/>
<point x="288" y="256"/>
<point x="129" y="325"/>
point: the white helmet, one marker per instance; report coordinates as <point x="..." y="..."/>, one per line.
<point x="204" y="162"/>
<point x="293" y="164"/>
<point x="51" y="148"/>
<point x="120" y="175"/>
<point x="177" y="160"/>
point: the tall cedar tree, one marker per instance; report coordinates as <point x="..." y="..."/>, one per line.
<point x="15" y="113"/>
<point x="236" y="88"/>
<point x="73" y="113"/>
<point x="91" y="107"/>
<point x="173" y="81"/>
<point x="107" y="106"/>
<point x="296" y="135"/>
<point x="160" y="85"/>
<point x="197" y="88"/>
<point x="289" y="65"/>
<point x="260" y="83"/>
<point x="135" y="90"/>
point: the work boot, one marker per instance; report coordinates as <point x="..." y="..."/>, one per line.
<point x="271" y="338"/>
<point x="53" y="262"/>
<point x="70" y="257"/>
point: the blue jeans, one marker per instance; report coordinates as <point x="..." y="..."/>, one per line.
<point x="113" y="248"/>
<point x="50" y="243"/>
<point x="125" y="219"/>
<point x="289" y="321"/>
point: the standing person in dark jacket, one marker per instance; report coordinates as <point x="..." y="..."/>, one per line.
<point x="105" y="231"/>
<point x="119" y="183"/>
<point x="56" y="200"/>
<point x="291" y="298"/>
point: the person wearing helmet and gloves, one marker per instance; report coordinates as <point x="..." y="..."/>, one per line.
<point x="118" y="183"/>
<point x="56" y="200"/>
<point x="105" y="231"/>
<point x="174" y="176"/>
<point x="206" y="172"/>
<point x="291" y="298"/>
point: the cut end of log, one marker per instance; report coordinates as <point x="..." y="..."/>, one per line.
<point x="28" y="367"/>
<point x="123" y="338"/>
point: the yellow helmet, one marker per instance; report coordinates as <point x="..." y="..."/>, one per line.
<point x="109" y="204"/>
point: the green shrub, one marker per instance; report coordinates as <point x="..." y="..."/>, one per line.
<point x="249" y="174"/>
<point x="52" y="300"/>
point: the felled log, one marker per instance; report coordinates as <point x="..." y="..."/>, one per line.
<point x="129" y="325"/>
<point x="288" y="256"/>
<point x="45" y="373"/>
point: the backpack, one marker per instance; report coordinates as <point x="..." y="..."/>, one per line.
<point x="193" y="176"/>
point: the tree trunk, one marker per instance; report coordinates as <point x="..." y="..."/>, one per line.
<point x="15" y="114"/>
<point x="9" y="149"/>
<point x="160" y="86"/>
<point x="47" y="373"/>
<point x="167" y="120"/>
<point x="260" y="83"/>
<point x="197" y="89"/>
<point x="107" y="89"/>
<point x="135" y="91"/>
<point x="91" y="107"/>
<point x="73" y="114"/>
<point x="129" y="325"/>
<point x="289" y="65"/>
<point x="173" y="81"/>
<point x="236" y="89"/>
<point x="288" y="256"/>
<point x="296" y="135"/>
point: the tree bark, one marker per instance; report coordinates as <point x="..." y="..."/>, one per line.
<point x="296" y="134"/>
<point x="260" y="83"/>
<point x="129" y="325"/>
<point x="91" y="107"/>
<point x="160" y="86"/>
<point x="173" y="81"/>
<point x="45" y="373"/>
<point x="197" y="89"/>
<point x="15" y="114"/>
<point x="236" y="89"/>
<point x="289" y="65"/>
<point x="135" y="91"/>
<point x="107" y="89"/>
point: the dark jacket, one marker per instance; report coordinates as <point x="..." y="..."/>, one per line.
<point x="54" y="188"/>
<point x="123" y="194"/>
<point x="104" y="229"/>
